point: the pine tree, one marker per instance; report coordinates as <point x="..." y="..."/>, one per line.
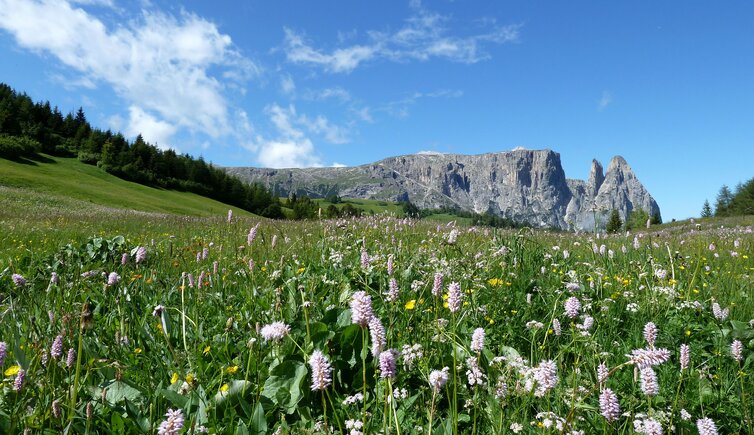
<point x="724" y="198"/>
<point x="614" y="224"/>
<point x="706" y="209"/>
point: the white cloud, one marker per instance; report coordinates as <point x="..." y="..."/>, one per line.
<point x="430" y="153"/>
<point x="604" y="101"/>
<point x="423" y="37"/>
<point x="287" y="85"/>
<point x="157" y="132"/>
<point x="160" y="64"/>
<point x="338" y="165"/>
<point x="400" y="108"/>
<point x="336" y="93"/>
<point x="292" y="147"/>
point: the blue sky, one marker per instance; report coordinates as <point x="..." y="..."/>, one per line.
<point x="667" y="85"/>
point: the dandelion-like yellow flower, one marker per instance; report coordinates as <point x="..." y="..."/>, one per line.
<point x="224" y="388"/>
<point x="231" y="370"/>
<point x="190" y="378"/>
<point x="174" y="378"/>
<point x="12" y="370"/>
<point x="494" y="282"/>
<point x="206" y="350"/>
<point x="300" y="270"/>
<point x="410" y="305"/>
<point x="137" y="350"/>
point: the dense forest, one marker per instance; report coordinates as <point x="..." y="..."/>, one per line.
<point x="27" y="128"/>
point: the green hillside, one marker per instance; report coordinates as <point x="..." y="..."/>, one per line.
<point x="63" y="179"/>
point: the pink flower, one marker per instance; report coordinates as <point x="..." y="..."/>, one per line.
<point x="274" y="331"/>
<point x="650" y="334"/>
<point x="172" y="424"/>
<point x="321" y="371"/>
<point x="706" y="426"/>
<point x="377" y="335"/>
<point x="387" y="364"/>
<point x="685" y="356"/>
<point x="736" y="348"/>
<point x="454" y="297"/>
<point x="609" y="406"/>
<point x="361" y="308"/>
<point x="438" y="379"/>
<point x="477" y="340"/>
<point x="572" y="307"/>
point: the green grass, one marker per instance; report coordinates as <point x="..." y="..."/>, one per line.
<point x="68" y="179"/>
<point x="369" y="206"/>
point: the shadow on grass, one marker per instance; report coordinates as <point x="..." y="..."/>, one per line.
<point x="30" y="160"/>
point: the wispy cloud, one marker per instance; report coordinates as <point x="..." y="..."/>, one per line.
<point x="336" y="93"/>
<point x="287" y="85"/>
<point x="400" y="108"/>
<point x="291" y="145"/>
<point x="167" y="68"/>
<point x="424" y="36"/>
<point x="604" y="100"/>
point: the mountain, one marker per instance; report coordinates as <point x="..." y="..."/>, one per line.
<point x="524" y="185"/>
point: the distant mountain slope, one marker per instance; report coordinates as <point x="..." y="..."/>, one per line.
<point x="70" y="178"/>
<point x="523" y="185"/>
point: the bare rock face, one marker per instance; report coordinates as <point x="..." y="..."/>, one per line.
<point x="523" y="185"/>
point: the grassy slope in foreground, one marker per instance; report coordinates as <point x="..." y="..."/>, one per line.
<point x="69" y="178"/>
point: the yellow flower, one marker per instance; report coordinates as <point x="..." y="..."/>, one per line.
<point x="300" y="270"/>
<point x="445" y="305"/>
<point x="206" y="350"/>
<point x="174" y="378"/>
<point x="688" y="332"/>
<point x="224" y="388"/>
<point x="494" y="282"/>
<point x="137" y="350"/>
<point x="231" y="370"/>
<point x="12" y="370"/>
<point x="410" y="304"/>
<point x="190" y="378"/>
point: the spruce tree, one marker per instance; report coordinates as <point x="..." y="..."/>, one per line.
<point x="706" y="209"/>
<point x="614" y="224"/>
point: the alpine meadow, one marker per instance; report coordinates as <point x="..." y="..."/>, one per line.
<point x="376" y="218"/>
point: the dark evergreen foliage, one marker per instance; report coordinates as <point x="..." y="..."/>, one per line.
<point x="614" y="224"/>
<point x="27" y="128"/>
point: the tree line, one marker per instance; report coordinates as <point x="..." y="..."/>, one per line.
<point x="27" y="128"/>
<point x="732" y="203"/>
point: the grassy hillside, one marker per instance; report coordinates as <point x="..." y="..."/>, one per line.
<point x="68" y="179"/>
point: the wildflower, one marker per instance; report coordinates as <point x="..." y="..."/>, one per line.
<point x="71" y="358"/>
<point x="356" y="398"/>
<point x="141" y="254"/>
<point x="232" y="370"/>
<point x="546" y="375"/>
<point x="477" y="340"/>
<point x="720" y="314"/>
<point x="572" y="307"/>
<point x="361" y="308"/>
<point x="172" y="424"/>
<point x="377" y="335"/>
<point x="392" y="294"/>
<point x="274" y="241"/>
<point x="685" y="416"/>
<point x="113" y="279"/>
<point x="56" y="408"/>
<point x="124" y="259"/>
<point x="648" y="357"/>
<point x="410" y="354"/>
<point x="735" y="349"/>
<point x="275" y="331"/>
<point x="650" y="334"/>
<point x="390" y="265"/>
<point x="321" y="371"/>
<point x="649" y="385"/>
<point x="602" y="373"/>
<point x="453" y="236"/>
<point x="230" y="215"/>
<point x="609" y="406"/>
<point x="205" y="253"/>
<point x="438" y="379"/>
<point x="54" y="279"/>
<point x="18" y="280"/>
<point x="652" y="427"/>
<point x="410" y="305"/>
<point x="3" y="352"/>
<point x="364" y="259"/>
<point x="454" y="297"/>
<point x="685" y="356"/>
<point x="706" y="426"/>
<point x="252" y="234"/>
<point x="474" y="374"/>
<point x="158" y="310"/>
<point x="19" y="382"/>
<point x="516" y="427"/>
<point x="556" y="326"/>
<point x="56" y="351"/>
<point x="437" y="286"/>
<point x="387" y="364"/>
<point x="501" y="389"/>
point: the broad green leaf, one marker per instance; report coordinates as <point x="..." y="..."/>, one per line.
<point x="283" y="387"/>
<point x="258" y="421"/>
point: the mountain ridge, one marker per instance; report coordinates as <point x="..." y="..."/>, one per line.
<point x="524" y="185"/>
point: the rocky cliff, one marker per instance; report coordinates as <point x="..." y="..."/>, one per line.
<point x="524" y="185"/>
